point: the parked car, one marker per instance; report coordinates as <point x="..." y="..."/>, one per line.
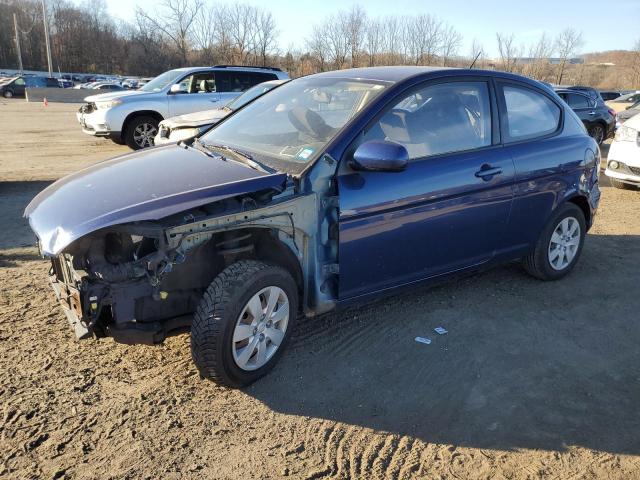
<point x="589" y="91"/>
<point x="15" y="86"/>
<point x="598" y="119"/>
<point x="629" y="112"/>
<point x="132" y="116"/>
<point x="65" y="83"/>
<point x="184" y="127"/>
<point x="332" y="189"/>
<point x="130" y="83"/>
<point x="107" y="86"/>
<point x="143" y="81"/>
<point x="621" y="103"/>
<point x="623" y="160"/>
<point x="609" y="95"/>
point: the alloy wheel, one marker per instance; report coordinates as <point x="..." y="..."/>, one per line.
<point x="144" y="134"/>
<point x="260" y="328"/>
<point x="564" y="243"/>
<point x="597" y="133"/>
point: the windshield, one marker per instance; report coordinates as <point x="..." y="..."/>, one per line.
<point x="161" y="81"/>
<point x="249" y="95"/>
<point x="291" y="126"/>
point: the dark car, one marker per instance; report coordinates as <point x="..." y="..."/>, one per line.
<point x="589" y="91"/>
<point x="15" y="86"/>
<point x="598" y="119"/>
<point x="609" y="95"/>
<point x="332" y="189"/>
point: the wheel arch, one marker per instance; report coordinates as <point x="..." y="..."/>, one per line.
<point x="583" y="203"/>
<point x="139" y="113"/>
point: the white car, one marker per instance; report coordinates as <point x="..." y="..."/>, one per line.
<point x="187" y="126"/>
<point x="132" y="116"/>
<point x="623" y="164"/>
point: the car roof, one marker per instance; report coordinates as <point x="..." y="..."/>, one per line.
<point x="398" y="74"/>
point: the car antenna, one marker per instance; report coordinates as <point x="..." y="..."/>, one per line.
<point x="475" y="59"/>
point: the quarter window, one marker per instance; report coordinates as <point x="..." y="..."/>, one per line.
<point x="529" y="114"/>
<point x="576" y="100"/>
<point x="438" y="119"/>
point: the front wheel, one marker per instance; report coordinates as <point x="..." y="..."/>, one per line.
<point x="140" y="132"/>
<point x="8" y="94"/>
<point x="618" y="184"/>
<point x="243" y="322"/>
<point x="559" y="246"/>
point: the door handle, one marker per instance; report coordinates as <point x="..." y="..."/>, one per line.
<point x="592" y="113"/>
<point x="486" y="172"/>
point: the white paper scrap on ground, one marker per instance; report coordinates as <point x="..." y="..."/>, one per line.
<point x="424" y="340"/>
<point x="440" y="330"/>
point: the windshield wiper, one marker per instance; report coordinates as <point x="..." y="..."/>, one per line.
<point x="198" y="145"/>
<point x="248" y="158"/>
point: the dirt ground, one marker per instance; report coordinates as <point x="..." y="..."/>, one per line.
<point x="533" y="380"/>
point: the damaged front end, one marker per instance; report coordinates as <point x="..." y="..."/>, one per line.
<point x="141" y="281"/>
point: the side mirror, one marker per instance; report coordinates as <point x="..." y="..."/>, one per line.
<point x="380" y="156"/>
<point x="177" y="88"/>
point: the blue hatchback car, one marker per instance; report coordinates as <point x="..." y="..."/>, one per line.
<point x="333" y="188"/>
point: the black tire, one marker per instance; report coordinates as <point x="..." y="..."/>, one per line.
<point x="622" y="185"/>
<point x="130" y="134"/>
<point x="537" y="262"/>
<point x="597" y="132"/>
<point x="215" y="320"/>
<point x="7" y="94"/>
<point x="118" y="140"/>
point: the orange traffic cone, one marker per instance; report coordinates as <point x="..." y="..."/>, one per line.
<point x="46" y="104"/>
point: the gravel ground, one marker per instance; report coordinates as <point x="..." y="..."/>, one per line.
<point x="533" y="380"/>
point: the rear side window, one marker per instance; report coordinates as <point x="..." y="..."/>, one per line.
<point x="241" y="81"/>
<point x="575" y="100"/>
<point x="529" y="114"/>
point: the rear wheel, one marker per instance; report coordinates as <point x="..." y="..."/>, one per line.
<point x="140" y="132"/>
<point x="243" y="322"/>
<point x="559" y="246"/>
<point x="597" y="133"/>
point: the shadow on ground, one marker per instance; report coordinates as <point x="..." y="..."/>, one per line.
<point x="526" y="364"/>
<point x="14" y="197"/>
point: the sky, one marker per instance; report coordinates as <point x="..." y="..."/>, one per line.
<point x="619" y="29"/>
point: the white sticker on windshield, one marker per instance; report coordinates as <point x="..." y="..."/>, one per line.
<point x="305" y="153"/>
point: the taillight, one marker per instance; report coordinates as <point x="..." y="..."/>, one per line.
<point x="612" y="112"/>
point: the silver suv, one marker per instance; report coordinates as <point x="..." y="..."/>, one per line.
<point x="132" y="117"/>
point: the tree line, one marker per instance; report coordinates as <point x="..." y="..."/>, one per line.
<point x="85" y="38"/>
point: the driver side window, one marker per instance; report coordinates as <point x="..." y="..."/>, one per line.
<point x="203" y="82"/>
<point x="437" y="119"/>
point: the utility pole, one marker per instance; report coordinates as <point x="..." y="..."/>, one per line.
<point x="15" y="24"/>
<point x="46" y="38"/>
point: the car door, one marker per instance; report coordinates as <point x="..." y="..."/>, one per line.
<point x="545" y="161"/>
<point x="197" y="92"/>
<point x="584" y="107"/>
<point x="448" y="210"/>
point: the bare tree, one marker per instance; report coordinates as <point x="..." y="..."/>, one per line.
<point x="266" y="35"/>
<point x="355" y="23"/>
<point x="635" y="66"/>
<point x="508" y="51"/>
<point x="567" y="43"/>
<point x="175" y="20"/>
<point x="451" y="42"/>
<point x="319" y="47"/>
<point x="337" y="40"/>
<point x="539" y="54"/>
<point x="241" y="21"/>
<point x="374" y="40"/>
